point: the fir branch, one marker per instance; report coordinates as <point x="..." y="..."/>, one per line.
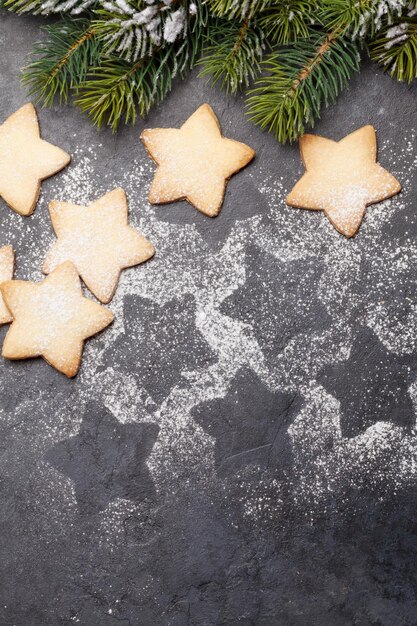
<point x="240" y="9"/>
<point x="117" y="90"/>
<point x="61" y="62"/>
<point x="133" y="30"/>
<point x="396" y="49"/>
<point x="233" y="54"/>
<point x="361" y="18"/>
<point x="285" y="22"/>
<point x="299" y="81"/>
<point x="125" y="53"/>
<point x="48" y="7"/>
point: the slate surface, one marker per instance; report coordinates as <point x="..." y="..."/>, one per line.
<point x="240" y="447"/>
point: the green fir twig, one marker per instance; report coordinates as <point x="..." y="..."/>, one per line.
<point x="117" y="91"/>
<point x="60" y="63"/>
<point x="299" y="81"/>
<point x="396" y="49"/>
<point x="233" y="54"/>
<point x="293" y="56"/>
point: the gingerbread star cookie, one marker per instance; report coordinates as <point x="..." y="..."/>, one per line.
<point x="98" y="240"/>
<point x="342" y="178"/>
<point x="26" y="160"/>
<point x="194" y="161"/>
<point x="52" y="319"/>
<point x="6" y="273"/>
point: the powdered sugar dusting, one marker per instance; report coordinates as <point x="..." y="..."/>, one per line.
<point x="324" y="460"/>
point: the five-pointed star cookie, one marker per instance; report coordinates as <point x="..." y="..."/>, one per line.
<point x="342" y="178"/>
<point x="98" y="240"/>
<point x="194" y="161"/>
<point x="52" y="319"/>
<point x="6" y="273"/>
<point x="26" y="160"/>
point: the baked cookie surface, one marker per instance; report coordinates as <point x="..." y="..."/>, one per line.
<point x="98" y="240"/>
<point x="26" y="160"/>
<point x="342" y="178"/>
<point x="194" y="162"/>
<point x="52" y="319"/>
<point x="6" y="273"/>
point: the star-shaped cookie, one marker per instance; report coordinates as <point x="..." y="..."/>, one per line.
<point x="26" y="160"/>
<point x="52" y="319"/>
<point x="6" y="273"/>
<point x="194" y="161"/>
<point x="342" y="178"/>
<point x="98" y="240"/>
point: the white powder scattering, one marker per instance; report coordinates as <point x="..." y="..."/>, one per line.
<point x="324" y="461"/>
<point x="358" y="286"/>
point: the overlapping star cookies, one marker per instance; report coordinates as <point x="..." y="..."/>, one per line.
<point x="26" y="160"/>
<point x="194" y="161"/>
<point x="52" y="319"/>
<point x="6" y="273"/>
<point x="342" y="178"/>
<point x="98" y="240"/>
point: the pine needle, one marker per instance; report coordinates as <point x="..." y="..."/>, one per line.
<point x="232" y="55"/>
<point x="293" y="56"/>
<point x="61" y="62"/>
<point x="299" y="81"/>
<point x="396" y="50"/>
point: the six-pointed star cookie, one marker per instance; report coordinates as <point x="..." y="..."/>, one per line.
<point x="6" y="273"/>
<point x="106" y="460"/>
<point x="26" y="160"/>
<point x="194" y="161"/>
<point x="342" y="178"/>
<point x="52" y="319"/>
<point x="98" y="240"/>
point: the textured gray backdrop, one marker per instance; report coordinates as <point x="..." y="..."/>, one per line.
<point x="240" y="446"/>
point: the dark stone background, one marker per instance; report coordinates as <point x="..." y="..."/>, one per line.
<point x="254" y="525"/>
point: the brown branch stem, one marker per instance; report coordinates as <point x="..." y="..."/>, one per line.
<point x="84" y="37"/>
<point x="315" y="60"/>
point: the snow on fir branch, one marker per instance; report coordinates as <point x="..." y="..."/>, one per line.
<point x="134" y="33"/>
<point x="118" y="58"/>
<point x="49" y="7"/>
<point x="379" y="13"/>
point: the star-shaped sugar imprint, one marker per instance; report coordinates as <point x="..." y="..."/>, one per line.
<point x="372" y="385"/>
<point x="250" y="424"/>
<point x="26" y="160"/>
<point x="279" y="300"/>
<point x="52" y="319"/>
<point x="168" y="336"/>
<point x="6" y="273"/>
<point x="342" y="178"/>
<point x="106" y="460"/>
<point x="194" y="162"/>
<point x="98" y="241"/>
